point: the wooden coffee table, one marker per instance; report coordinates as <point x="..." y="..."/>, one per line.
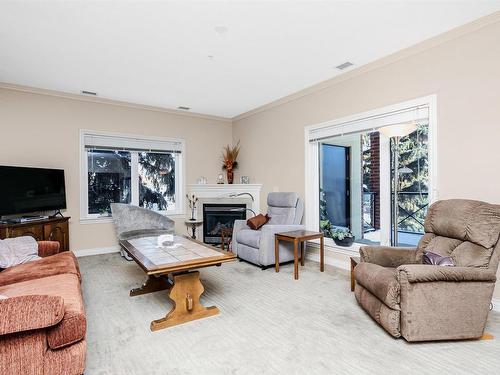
<point x="172" y="268"/>
<point x="299" y="236"/>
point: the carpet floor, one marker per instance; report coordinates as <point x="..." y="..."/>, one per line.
<point x="268" y="324"/>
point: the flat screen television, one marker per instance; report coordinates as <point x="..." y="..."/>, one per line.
<point x="28" y="190"/>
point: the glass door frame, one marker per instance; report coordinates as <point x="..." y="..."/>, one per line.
<point x="360" y="122"/>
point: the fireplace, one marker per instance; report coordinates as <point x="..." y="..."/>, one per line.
<point x="219" y="216"/>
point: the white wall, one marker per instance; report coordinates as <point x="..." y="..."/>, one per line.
<point x="461" y="68"/>
<point x="43" y="131"/>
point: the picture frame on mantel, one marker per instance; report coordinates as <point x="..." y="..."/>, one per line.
<point x="245" y="180"/>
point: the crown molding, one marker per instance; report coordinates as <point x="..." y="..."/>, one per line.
<point x="399" y="55"/>
<point x="83" y="98"/>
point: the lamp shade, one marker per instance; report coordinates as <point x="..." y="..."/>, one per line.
<point x="398" y="130"/>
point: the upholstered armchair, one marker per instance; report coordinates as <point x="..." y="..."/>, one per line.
<point x="428" y="302"/>
<point x="257" y="246"/>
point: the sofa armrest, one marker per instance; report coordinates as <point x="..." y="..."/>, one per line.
<point x="386" y="256"/>
<point x="48" y="248"/>
<point x="25" y="313"/>
<point x="424" y="273"/>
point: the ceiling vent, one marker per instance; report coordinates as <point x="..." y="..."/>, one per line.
<point x="345" y="65"/>
<point x="182" y="108"/>
<point x="85" y="92"/>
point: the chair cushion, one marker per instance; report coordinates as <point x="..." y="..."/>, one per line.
<point x="383" y="315"/>
<point x="72" y="327"/>
<point x="64" y="262"/>
<point x="465" y="220"/>
<point x="276" y="199"/>
<point x="249" y="237"/>
<point x="463" y="253"/>
<point x="381" y="281"/>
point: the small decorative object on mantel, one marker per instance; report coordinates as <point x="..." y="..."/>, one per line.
<point x="244" y="180"/>
<point x="192" y="205"/>
<point x="229" y="163"/>
<point x="341" y="236"/>
<point x="201" y="181"/>
<point x="220" y="179"/>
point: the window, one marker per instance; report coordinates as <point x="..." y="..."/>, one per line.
<point x="351" y="179"/>
<point x="146" y="172"/>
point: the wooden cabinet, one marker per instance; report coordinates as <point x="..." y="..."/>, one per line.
<point x="56" y="229"/>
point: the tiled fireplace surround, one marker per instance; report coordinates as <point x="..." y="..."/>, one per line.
<point x="221" y="194"/>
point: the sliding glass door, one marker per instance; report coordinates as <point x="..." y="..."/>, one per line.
<point x="374" y="185"/>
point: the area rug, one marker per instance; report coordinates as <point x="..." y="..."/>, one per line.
<point x="268" y="324"/>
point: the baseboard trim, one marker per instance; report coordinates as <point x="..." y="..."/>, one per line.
<point x="312" y="253"/>
<point x="96" y="251"/>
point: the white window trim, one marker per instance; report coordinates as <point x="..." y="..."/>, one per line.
<point x="180" y="184"/>
<point x="312" y="162"/>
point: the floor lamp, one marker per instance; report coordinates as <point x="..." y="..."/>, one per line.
<point x="396" y="131"/>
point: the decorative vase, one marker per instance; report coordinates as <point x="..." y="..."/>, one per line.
<point x="230" y="175"/>
<point x="346" y="242"/>
<point x="192" y="213"/>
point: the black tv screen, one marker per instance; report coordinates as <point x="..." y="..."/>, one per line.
<point x="27" y="190"/>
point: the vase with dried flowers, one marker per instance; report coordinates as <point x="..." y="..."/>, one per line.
<point x="192" y="205"/>
<point x="229" y="163"/>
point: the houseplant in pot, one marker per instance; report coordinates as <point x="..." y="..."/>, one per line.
<point x="341" y="236"/>
<point x="229" y="163"/>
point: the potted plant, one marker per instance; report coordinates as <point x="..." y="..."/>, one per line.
<point x="229" y="163"/>
<point x="341" y="236"/>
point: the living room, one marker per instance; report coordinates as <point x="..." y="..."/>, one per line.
<point x="164" y="125"/>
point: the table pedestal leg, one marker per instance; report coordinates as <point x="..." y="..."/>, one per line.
<point x="152" y="284"/>
<point x="185" y="295"/>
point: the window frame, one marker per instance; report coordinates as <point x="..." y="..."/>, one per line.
<point x="338" y="126"/>
<point x="180" y="168"/>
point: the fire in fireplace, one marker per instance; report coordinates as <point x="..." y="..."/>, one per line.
<point x="219" y="216"/>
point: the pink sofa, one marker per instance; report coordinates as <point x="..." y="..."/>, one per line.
<point x="42" y="322"/>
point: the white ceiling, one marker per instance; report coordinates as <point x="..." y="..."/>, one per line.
<point x="156" y="53"/>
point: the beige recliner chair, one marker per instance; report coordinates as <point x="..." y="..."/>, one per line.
<point x="427" y="302"/>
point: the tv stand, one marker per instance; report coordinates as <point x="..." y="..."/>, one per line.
<point x="51" y="229"/>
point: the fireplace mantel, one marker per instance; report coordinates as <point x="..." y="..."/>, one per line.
<point x="221" y="194"/>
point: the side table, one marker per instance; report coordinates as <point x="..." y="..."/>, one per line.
<point x="193" y="224"/>
<point x="297" y="236"/>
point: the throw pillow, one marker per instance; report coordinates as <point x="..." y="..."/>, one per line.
<point x="257" y="221"/>
<point x="18" y="250"/>
<point x="437" y="260"/>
